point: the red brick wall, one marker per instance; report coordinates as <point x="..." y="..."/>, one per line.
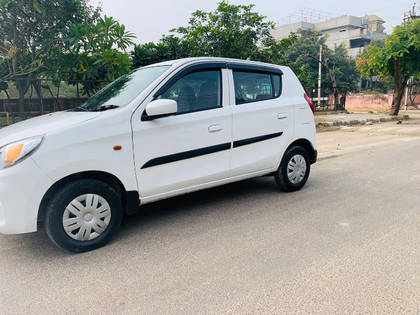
<point x="374" y="102"/>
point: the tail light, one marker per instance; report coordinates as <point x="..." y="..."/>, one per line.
<point x="311" y="105"/>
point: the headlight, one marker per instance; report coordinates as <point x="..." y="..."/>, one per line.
<point x="15" y="152"/>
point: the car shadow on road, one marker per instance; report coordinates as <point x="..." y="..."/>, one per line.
<point x="205" y="202"/>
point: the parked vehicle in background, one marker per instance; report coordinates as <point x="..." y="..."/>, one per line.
<point x="163" y="130"/>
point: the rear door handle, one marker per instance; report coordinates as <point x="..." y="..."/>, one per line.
<point x="282" y="115"/>
<point x="215" y="128"/>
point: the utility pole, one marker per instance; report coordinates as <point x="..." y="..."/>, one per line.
<point x="408" y="91"/>
<point x="319" y="75"/>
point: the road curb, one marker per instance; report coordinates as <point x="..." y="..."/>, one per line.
<point x="355" y="122"/>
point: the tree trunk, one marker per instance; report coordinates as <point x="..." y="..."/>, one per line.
<point x="336" y="99"/>
<point x="398" y="96"/>
<point x="335" y="89"/>
<point x="22" y="87"/>
<point x="22" y="92"/>
<point x="400" y="84"/>
<point x="35" y="86"/>
<point x="58" y="96"/>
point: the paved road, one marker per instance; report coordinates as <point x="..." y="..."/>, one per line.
<point x="348" y="242"/>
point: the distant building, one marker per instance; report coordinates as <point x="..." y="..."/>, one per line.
<point x="354" y="32"/>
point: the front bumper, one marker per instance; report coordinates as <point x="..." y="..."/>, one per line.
<point x="21" y="190"/>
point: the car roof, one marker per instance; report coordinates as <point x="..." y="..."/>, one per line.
<point x="183" y="61"/>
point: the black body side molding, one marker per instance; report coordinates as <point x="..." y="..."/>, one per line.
<point x="239" y="143"/>
<point x="207" y="150"/>
<point x="186" y="155"/>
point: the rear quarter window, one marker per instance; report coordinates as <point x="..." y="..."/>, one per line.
<point x="277" y="87"/>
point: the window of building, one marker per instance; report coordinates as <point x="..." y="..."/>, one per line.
<point x="255" y="87"/>
<point x="196" y="91"/>
<point x="359" y="42"/>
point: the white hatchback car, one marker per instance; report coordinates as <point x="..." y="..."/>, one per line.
<point x="162" y="130"/>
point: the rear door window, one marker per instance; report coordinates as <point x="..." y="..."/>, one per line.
<point x="255" y="87"/>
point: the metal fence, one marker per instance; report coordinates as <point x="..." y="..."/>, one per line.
<point x="332" y="99"/>
<point x="22" y="99"/>
<point x="412" y="95"/>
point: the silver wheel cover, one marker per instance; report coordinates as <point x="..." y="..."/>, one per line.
<point x="296" y="169"/>
<point x="86" y="217"/>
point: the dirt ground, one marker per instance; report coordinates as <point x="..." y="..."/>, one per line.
<point x="337" y="140"/>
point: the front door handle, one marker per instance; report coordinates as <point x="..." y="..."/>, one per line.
<point x="282" y="115"/>
<point x="215" y="128"/>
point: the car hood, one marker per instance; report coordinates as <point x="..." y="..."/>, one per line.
<point x="43" y="125"/>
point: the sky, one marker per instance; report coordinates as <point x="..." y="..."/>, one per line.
<point x="149" y="19"/>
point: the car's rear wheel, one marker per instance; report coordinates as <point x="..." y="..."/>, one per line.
<point x="83" y="215"/>
<point x="294" y="169"/>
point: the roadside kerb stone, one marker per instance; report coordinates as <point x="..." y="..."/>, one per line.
<point x="364" y="121"/>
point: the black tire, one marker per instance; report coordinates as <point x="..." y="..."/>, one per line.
<point x="62" y="198"/>
<point x="281" y="176"/>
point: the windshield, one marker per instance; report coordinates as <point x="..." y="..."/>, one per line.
<point x="123" y="90"/>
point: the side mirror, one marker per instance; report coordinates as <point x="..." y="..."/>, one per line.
<point x="160" y="108"/>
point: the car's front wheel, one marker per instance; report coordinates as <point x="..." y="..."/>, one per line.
<point x="83" y="215"/>
<point x="294" y="169"/>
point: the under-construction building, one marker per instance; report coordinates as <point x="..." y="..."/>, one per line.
<point x="355" y="33"/>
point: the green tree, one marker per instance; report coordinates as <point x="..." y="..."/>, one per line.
<point x="30" y="30"/>
<point x="300" y="51"/>
<point x="168" y="48"/>
<point x="276" y="51"/>
<point x="341" y="71"/>
<point x="303" y="56"/>
<point x="93" y="53"/>
<point x="234" y="31"/>
<point x="375" y="84"/>
<point x="345" y="70"/>
<point x="398" y="58"/>
<point x="4" y="72"/>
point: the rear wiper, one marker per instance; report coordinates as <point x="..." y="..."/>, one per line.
<point x="104" y="108"/>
